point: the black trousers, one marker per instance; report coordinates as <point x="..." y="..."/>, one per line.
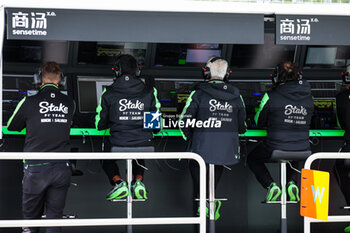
<point x="44" y="192"/>
<point x="343" y="169"/>
<point x="111" y="168"/>
<point x="261" y="155"/>
<point x="194" y="169"/>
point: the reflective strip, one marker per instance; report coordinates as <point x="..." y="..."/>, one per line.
<point x="98" y="110"/>
<point x="245" y="123"/>
<point x="16" y="110"/>
<point x="188" y="102"/>
<point x="262" y="104"/>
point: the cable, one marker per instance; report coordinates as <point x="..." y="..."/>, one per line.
<point x="290" y="164"/>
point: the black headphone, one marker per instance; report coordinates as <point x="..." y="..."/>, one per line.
<point x="37" y="78"/>
<point x="346" y="77"/>
<point x="275" y="76"/>
<point x="117" y="70"/>
<point x="206" y="70"/>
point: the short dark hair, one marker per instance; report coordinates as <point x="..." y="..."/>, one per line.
<point x="127" y="64"/>
<point x="50" y="72"/>
<point x="288" y="71"/>
<point x="50" y="67"/>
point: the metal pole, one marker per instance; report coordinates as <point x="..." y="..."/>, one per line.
<point x="211" y="198"/>
<point x="2" y="34"/>
<point x="283" y="197"/>
<point x="129" y="198"/>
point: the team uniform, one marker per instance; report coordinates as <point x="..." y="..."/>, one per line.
<point x="286" y="112"/>
<point x="47" y="117"/>
<point x="121" y="109"/>
<point x="220" y="108"/>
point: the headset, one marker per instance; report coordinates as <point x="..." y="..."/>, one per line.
<point x="275" y="76"/>
<point x="117" y="70"/>
<point x="346" y="77"/>
<point x="37" y="78"/>
<point x="206" y="70"/>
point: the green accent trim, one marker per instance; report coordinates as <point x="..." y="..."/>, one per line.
<point x="98" y="110"/>
<point x="49" y="85"/>
<point x="177" y="132"/>
<point x="173" y="92"/>
<point x="262" y="104"/>
<point x="188" y="102"/>
<point x="39" y="164"/>
<point x="215" y="81"/>
<point x="16" y="110"/>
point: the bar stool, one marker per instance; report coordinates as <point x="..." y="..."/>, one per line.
<point x="212" y="199"/>
<point x="129" y="200"/>
<point x="283" y="157"/>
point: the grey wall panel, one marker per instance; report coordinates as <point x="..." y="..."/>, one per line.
<point x="169" y="27"/>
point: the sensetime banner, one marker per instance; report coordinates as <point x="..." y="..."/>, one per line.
<point x="314" y="194"/>
<point x="134" y="26"/>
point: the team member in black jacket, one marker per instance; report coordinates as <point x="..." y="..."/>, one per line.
<point x="47" y="116"/>
<point x="343" y="114"/>
<point x="286" y="111"/>
<point x="220" y="107"/>
<point x="121" y="110"/>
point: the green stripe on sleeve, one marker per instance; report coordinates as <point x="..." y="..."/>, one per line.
<point x="98" y="110"/>
<point x="261" y="107"/>
<point x="157" y="101"/>
<point x="158" y="106"/>
<point x="15" y="112"/>
<point x="188" y="103"/>
<point x="336" y="114"/>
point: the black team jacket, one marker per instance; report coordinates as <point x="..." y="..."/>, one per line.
<point x="47" y="117"/>
<point x="286" y="111"/>
<point x="343" y="112"/>
<point x="218" y="111"/>
<point x="121" y="109"/>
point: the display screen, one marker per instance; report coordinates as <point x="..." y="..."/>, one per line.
<point x="263" y="56"/>
<point x="89" y="92"/>
<point x="15" y="88"/>
<point x="327" y="57"/>
<point x="106" y="52"/>
<point x="324" y="56"/>
<point x="185" y="54"/>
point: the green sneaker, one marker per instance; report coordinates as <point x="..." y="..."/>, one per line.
<point x="217" y="209"/>
<point x="206" y="210"/>
<point x="138" y="190"/>
<point x="293" y="191"/>
<point x="273" y="192"/>
<point x="119" y="191"/>
<point x="347" y="229"/>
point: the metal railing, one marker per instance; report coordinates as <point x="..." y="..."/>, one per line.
<point x="201" y="220"/>
<point x="334" y="218"/>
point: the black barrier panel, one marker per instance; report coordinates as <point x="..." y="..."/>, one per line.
<point x="121" y="26"/>
<point x="312" y="30"/>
